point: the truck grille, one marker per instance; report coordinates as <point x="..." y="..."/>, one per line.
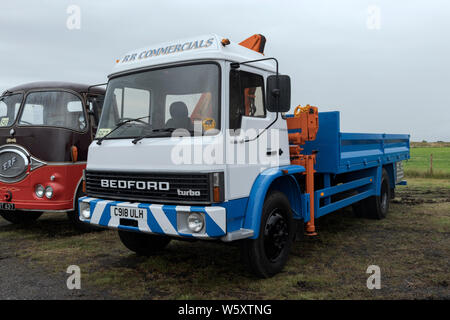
<point x="153" y="187"/>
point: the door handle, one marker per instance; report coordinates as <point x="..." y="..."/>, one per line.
<point x="274" y="152"/>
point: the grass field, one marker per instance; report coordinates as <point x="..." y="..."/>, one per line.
<point x="419" y="164"/>
<point x="411" y="246"/>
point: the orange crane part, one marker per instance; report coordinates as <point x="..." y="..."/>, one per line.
<point x="304" y="126"/>
<point x="256" y="42"/>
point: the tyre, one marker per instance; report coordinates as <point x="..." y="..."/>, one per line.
<point x="267" y="255"/>
<point x="20" y="217"/>
<point x="377" y="207"/>
<point x="143" y="244"/>
<point x="359" y="209"/>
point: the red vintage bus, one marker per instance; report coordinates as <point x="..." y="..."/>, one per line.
<point x="45" y="132"/>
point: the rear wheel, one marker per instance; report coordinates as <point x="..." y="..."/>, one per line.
<point x="20" y="217"/>
<point x="377" y="207"/>
<point x="143" y="244"/>
<point x="267" y="255"/>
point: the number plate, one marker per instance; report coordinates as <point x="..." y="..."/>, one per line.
<point x="7" y="206"/>
<point x="128" y="212"/>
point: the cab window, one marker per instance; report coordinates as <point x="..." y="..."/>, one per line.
<point x="95" y="104"/>
<point x="246" y="97"/>
<point x="9" y="107"/>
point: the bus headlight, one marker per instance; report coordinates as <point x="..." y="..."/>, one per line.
<point x="39" y="191"/>
<point x="195" y="222"/>
<point x="49" y="192"/>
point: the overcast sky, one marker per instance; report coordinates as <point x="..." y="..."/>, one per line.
<point x="385" y="64"/>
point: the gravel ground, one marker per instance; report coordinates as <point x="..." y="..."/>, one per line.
<point x="19" y="280"/>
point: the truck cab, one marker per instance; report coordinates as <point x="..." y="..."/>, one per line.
<point x="193" y="143"/>
<point x="45" y="131"/>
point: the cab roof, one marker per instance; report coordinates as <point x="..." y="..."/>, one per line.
<point x="206" y="47"/>
<point x="77" y="87"/>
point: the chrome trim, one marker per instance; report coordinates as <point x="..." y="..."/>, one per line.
<point x="35" y="163"/>
<point x="45" y="211"/>
<point x="24" y="154"/>
<point x="75" y="199"/>
<point x="64" y="163"/>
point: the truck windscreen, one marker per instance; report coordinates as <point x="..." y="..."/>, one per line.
<point x="9" y="107"/>
<point x="182" y="97"/>
<point x="53" y="109"/>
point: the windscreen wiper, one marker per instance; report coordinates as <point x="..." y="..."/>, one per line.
<point x="136" y="140"/>
<point x="118" y="126"/>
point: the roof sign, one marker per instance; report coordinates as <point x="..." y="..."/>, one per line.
<point x="169" y="49"/>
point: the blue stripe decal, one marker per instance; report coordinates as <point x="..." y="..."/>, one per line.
<point x="151" y="221"/>
<point x="106" y="214"/>
<point x="171" y="214"/>
<point x="93" y="204"/>
<point x="212" y="229"/>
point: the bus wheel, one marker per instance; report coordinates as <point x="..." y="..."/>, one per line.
<point x="143" y="244"/>
<point x="267" y="255"/>
<point x="20" y="217"/>
<point x="377" y="207"/>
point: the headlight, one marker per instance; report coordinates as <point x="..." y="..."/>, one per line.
<point x="49" y="192"/>
<point x="39" y="191"/>
<point x="86" y="213"/>
<point x="195" y="222"/>
<point x="85" y="210"/>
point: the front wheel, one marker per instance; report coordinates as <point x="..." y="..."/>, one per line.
<point x="268" y="254"/>
<point x="20" y="217"/>
<point x="143" y="244"/>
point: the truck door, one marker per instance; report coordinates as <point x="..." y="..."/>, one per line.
<point x="247" y="117"/>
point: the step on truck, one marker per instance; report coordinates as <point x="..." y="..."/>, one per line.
<point x="194" y="143"/>
<point x="45" y="131"/>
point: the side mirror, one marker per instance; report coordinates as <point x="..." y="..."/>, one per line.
<point x="278" y="93"/>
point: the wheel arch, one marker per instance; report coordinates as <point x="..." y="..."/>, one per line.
<point x="280" y="179"/>
<point x="75" y="199"/>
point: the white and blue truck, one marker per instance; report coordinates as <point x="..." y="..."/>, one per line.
<point x="194" y="143"/>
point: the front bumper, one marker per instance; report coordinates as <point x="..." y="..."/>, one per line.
<point x="65" y="183"/>
<point x="157" y="219"/>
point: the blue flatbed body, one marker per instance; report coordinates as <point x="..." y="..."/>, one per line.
<point x="339" y="152"/>
<point x="360" y="157"/>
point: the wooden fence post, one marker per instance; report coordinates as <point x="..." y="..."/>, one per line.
<point x="431" y="165"/>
